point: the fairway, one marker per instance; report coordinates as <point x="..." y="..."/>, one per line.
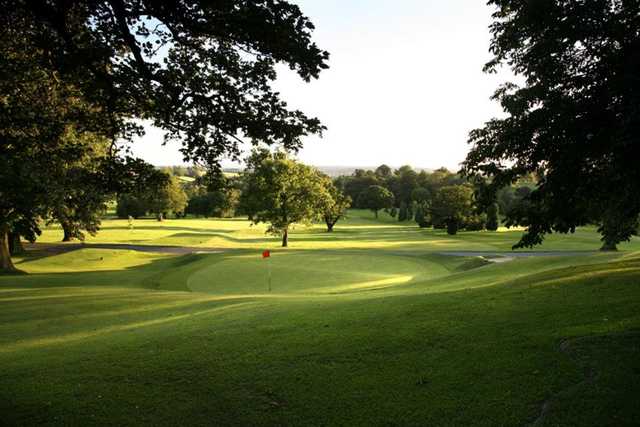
<point x="395" y="335"/>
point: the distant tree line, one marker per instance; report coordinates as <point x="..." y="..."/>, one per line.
<point x="172" y="195"/>
<point x="190" y="171"/>
<point x="439" y="199"/>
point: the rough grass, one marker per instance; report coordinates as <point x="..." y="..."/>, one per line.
<point x="398" y="335"/>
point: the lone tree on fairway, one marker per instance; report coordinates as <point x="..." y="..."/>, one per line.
<point x="575" y="120"/>
<point x="337" y="204"/>
<point x="202" y="71"/>
<point x="452" y="205"/>
<point x="375" y="198"/>
<point x="281" y="192"/>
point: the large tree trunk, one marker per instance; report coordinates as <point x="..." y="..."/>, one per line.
<point x="15" y="244"/>
<point x="285" y="238"/>
<point x="6" y="265"/>
<point x="609" y="246"/>
<point x="68" y="233"/>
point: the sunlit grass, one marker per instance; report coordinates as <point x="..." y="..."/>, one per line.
<point x="368" y="325"/>
<point x="358" y="231"/>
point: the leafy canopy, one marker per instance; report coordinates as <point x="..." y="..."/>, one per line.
<point x="280" y="191"/>
<point x="200" y="70"/>
<point x="452" y="205"/>
<point x="574" y="122"/>
<point x="376" y="197"/>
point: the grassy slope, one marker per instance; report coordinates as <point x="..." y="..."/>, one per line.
<point x="396" y="336"/>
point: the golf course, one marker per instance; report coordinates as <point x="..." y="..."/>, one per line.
<point x="377" y="323"/>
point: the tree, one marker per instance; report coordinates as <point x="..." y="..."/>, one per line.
<point x="451" y="205"/>
<point x="357" y="183"/>
<point x="202" y="71"/>
<point x="220" y="203"/>
<point x="336" y="206"/>
<point x="402" y="212"/>
<point x="167" y="196"/>
<point x="129" y="205"/>
<point x="421" y="195"/>
<point x="37" y="112"/>
<point x="282" y="192"/>
<point x="574" y="120"/>
<point x="492" y="217"/>
<point x="475" y="222"/>
<point x="383" y="172"/>
<point x="421" y="217"/>
<point x="406" y="180"/>
<point x="78" y="194"/>
<point x="375" y="198"/>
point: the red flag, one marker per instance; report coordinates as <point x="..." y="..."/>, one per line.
<point x="266" y="254"/>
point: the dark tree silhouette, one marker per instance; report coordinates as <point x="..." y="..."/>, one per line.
<point x="200" y="70"/>
<point x="575" y="121"/>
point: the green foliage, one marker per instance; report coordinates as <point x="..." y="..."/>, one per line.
<point x="421" y="195"/>
<point x="170" y="64"/>
<point x="383" y="172"/>
<point x="617" y="228"/>
<point x="375" y="198"/>
<point x="281" y="192"/>
<point x="336" y="205"/>
<point x="393" y="212"/>
<point x="572" y="120"/>
<point x="402" y="212"/>
<point x="492" y="217"/>
<point x="355" y="185"/>
<point x="166" y="197"/>
<point x="130" y="206"/>
<point x="404" y="182"/>
<point x="406" y="185"/>
<point x="475" y="222"/>
<point x="200" y="71"/>
<point x="421" y="217"/>
<point x="218" y="204"/>
<point x="160" y="194"/>
<point x="44" y="148"/>
<point x="452" y="205"/>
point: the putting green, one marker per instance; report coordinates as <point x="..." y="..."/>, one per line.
<point x="310" y="272"/>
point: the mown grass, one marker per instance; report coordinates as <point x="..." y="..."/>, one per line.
<point x="399" y="335"/>
<point x="359" y="231"/>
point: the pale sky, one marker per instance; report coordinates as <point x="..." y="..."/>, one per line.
<point x="405" y="83"/>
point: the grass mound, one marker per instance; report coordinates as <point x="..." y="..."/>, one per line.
<point x="318" y="272"/>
